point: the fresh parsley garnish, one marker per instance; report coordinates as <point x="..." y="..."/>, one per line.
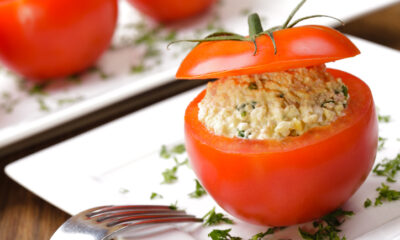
<point x="199" y="192"/>
<point x="386" y="194"/>
<point x="383" y="118"/>
<point x="367" y="203"/>
<point x="155" y="196"/>
<point x="218" y="234"/>
<point x="326" y="228"/>
<point x="174" y="206"/>
<point x="241" y="133"/>
<point x="388" y="168"/>
<point x="169" y="174"/>
<point x="212" y="218"/>
<point x="177" y="149"/>
<point x="345" y="91"/>
<point x="381" y="143"/>
<point x="253" y="86"/>
<point x="270" y="231"/>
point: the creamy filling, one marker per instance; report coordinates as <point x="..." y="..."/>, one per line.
<point x="273" y="105"/>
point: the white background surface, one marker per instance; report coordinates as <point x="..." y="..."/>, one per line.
<point x="93" y="93"/>
<point x="91" y="169"/>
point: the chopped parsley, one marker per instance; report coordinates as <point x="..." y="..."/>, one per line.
<point x="326" y="102"/>
<point x="367" y="203"/>
<point x="270" y="231"/>
<point x="137" y="68"/>
<point x="212" y="218"/>
<point x="218" y="234"/>
<point x="199" y="192"/>
<point x="155" y="196"/>
<point x="42" y="105"/>
<point x="326" y="228"/>
<point x="381" y="143"/>
<point x="123" y="190"/>
<point x="38" y="89"/>
<point x="345" y="91"/>
<point x="241" y="133"/>
<point x="388" y="168"/>
<point x="243" y="114"/>
<point x="8" y="102"/>
<point x="253" y="86"/>
<point x="177" y="149"/>
<point x="169" y="174"/>
<point x="384" y="118"/>
<point x="174" y="206"/>
<point x="386" y="194"/>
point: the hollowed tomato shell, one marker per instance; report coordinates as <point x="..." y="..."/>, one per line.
<point x="293" y="180"/>
<point x="296" y="47"/>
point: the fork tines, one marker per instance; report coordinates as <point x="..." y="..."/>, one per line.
<point x="139" y="214"/>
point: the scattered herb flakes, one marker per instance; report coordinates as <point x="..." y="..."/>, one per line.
<point x="174" y="206"/>
<point x="386" y="194"/>
<point x="155" y="196"/>
<point x="199" y="192"/>
<point x="241" y="134"/>
<point x="243" y="114"/>
<point x="137" y="68"/>
<point x="171" y="36"/>
<point x="270" y="231"/>
<point x="178" y="149"/>
<point x="384" y="118"/>
<point x="367" y="203"/>
<point x="212" y="218"/>
<point x="8" y="103"/>
<point x="388" y="168"/>
<point x="42" y="105"/>
<point x="164" y="153"/>
<point x="381" y="143"/>
<point x="65" y="101"/>
<point x="218" y="234"/>
<point x="169" y="175"/>
<point x="253" y="86"/>
<point x="38" y="89"/>
<point x="123" y="190"/>
<point x="326" y="228"/>
<point x="345" y="91"/>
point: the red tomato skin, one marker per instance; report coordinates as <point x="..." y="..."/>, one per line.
<point x="280" y="183"/>
<point x="296" y="47"/>
<point x="44" y="39"/>
<point x="171" y="10"/>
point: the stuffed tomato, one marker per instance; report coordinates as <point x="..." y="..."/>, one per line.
<point x="279" y="139"/>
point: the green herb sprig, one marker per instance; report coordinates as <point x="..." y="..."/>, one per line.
<point x="326" y="228"/>
<point x="388" y="168"/>
<point x="218" y="234"/>
<point x="199" y="192"/>
<point x="270" y="231"/>
<point x="212" y="218"/>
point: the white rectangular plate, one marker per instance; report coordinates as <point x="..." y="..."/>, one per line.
<point x="119" y="163"/>
<point x="24" y="114"/>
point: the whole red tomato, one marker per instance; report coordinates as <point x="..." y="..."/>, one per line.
<point x="44" y="39"/>
<point x="171" y="10"/>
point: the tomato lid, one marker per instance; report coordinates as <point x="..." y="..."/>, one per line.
<point x="279" y="48"/>
<point x="295" y="47"/>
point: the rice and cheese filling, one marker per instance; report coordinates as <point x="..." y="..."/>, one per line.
<point x="273" y="105"/>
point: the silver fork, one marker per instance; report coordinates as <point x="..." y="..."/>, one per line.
<point x="101" y="222"/>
